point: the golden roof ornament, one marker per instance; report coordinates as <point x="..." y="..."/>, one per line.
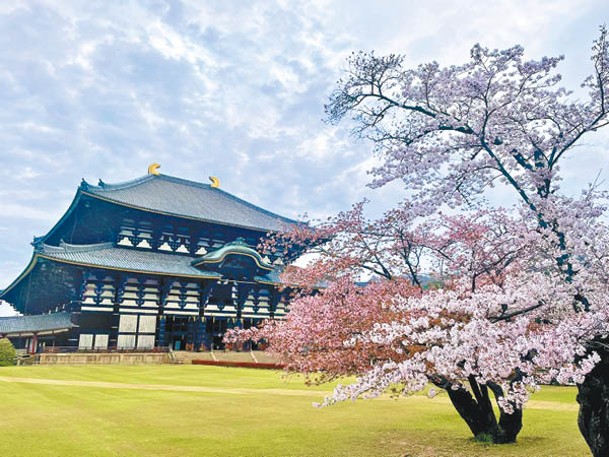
<point x="153" y="169"/>
<point x="215" y="182"/>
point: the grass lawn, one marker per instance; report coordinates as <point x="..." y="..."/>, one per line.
<point x="210" y="411"/>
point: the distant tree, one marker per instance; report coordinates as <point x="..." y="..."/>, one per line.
<point x="8" y="355"/>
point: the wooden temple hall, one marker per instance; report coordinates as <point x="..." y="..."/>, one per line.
<point x="155" y="262"/>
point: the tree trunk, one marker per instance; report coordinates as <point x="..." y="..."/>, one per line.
<point x="477" y="412"/>
<point x="481" y="421"/>
<point x="509" y="424"/>
<point x="509" y="427"/>
<point x="593" y="399"/>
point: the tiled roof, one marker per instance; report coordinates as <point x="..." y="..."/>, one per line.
<point x="38" y="323"/>
<point x="273" y="277"/>
<point x="108" y="256"/>
<point x="180" y="197"/>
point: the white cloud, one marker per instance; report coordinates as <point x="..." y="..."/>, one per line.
<point x="6" y="310"/>
<point x="10" y="6"/>
<point x="234" y="89"/>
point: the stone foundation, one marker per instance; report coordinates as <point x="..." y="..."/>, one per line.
<point x="126" y="358"/>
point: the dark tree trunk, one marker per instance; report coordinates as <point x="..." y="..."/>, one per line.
<point x="593" y="399"/>
<point x="481" y="421"/>
<point x="509" y="427"/>
<point x="477" y="412"/>
<point x="509" y="424"/>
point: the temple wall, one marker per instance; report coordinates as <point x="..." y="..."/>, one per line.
<point x="138" y="312"/>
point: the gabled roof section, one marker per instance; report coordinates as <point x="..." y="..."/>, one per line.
<point x="105" y="255"/>
<point x="193" y="200"/>
<point x="39" y="323"/>
<point x="108" y="256"/>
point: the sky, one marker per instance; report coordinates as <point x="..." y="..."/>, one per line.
<point x="97" y="89"/>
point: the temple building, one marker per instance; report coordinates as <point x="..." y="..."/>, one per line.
<point x="155" y="262"/>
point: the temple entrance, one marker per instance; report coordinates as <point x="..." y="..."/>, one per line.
<point x="215" y="329"/>
<point x="190" y="333"/>
<point x="179" y="332"/>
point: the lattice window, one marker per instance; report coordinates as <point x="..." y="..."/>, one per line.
<point x="98" y="292"/>
<point x="139" y="293"/>
<point x="182" y="298"/>
<point x="145" y="341"/>
<point x="147" y="324"/>
<point x="136" y="331"/>
<point x="135" y="234"/>
<point x="128" y="323"/>
<point x="174" y="242"/>
<point x="257" y="304"/>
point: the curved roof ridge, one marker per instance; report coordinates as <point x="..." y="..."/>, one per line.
<point x="235" y="247"/>
<point x="67" y="247"/>
<point x="116" y="186"/>
<point x="187" y="182"/>
<point x="142" y="179"/>
<point x="35" y="316"/>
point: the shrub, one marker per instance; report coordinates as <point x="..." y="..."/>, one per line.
<point x="8" y="354"/>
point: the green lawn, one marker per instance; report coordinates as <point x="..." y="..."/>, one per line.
<point x="246" y="413"/>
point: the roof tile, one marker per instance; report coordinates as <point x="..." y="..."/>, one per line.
<point x="180" y="197"/>
<point x="39" y="323"/>
<point x="105" y="255"/>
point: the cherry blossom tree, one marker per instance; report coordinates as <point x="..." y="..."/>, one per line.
<point x="523" y="297"/>
<point x="484" y="333"/>
<point x="341" y="331"/>
<point x="451" y="133"/>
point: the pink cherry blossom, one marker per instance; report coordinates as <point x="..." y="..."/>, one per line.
<point x="512" y="298"/>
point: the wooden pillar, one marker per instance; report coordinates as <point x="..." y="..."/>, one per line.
<point x="190" y="334"/>
<point x="161" y="341"/>
<point x="208" y="323"/>
<point x="119" y="290"/>
<point x="274" y="298"/>
<point x="199" y="333"/>
<point x="34" y="343"/>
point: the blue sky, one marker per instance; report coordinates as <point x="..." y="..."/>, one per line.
<point x="96" y="89"/>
